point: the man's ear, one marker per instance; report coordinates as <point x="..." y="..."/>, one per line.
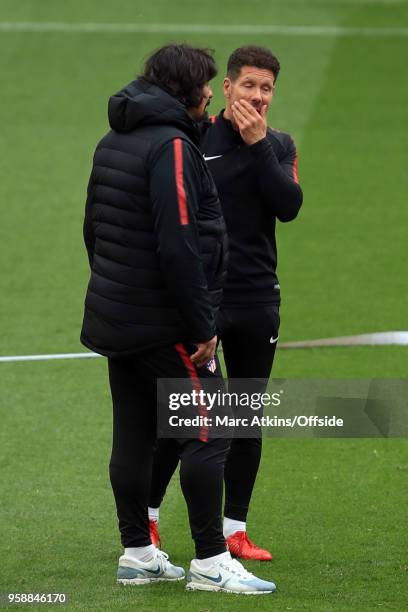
<point x="227" y="87"/>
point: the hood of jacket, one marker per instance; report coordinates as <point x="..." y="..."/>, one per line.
<point x="140" y="103"/>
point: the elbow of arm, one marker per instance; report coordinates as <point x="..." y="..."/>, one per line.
<point x="290" y="211"/>
<point x="287" y="218"/>
<point x="288" y="215"/>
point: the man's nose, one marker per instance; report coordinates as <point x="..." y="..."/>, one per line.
<point x="256" y="94"/>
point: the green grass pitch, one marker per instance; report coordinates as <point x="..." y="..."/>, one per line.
<point x="332" y="511"/>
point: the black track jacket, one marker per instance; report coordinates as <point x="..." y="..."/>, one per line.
<point x="153" y="229"/>
<point x="256" y="184"/>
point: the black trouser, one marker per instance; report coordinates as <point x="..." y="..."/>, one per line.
<point x="134" y="395"/>
<point x="246" y="334"/>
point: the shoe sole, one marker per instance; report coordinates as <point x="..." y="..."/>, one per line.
<point x="140" y="581"/>
<point x="245" y="558"/>
<point x="193" y="586"/>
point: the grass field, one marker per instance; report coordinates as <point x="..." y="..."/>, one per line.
<point x="332" y="511"/>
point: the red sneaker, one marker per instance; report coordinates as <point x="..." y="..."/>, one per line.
<point x="241" y="546"/>
<point x="154" y="533"/>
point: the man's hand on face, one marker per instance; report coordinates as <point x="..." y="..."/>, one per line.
<point x="251" y="124"/>
<point x="205" y="352"/>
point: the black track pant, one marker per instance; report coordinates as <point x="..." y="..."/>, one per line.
<point x="246" y="334"/>
<point x="133" y="387"/>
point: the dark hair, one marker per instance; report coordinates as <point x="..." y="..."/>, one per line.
<point x="182" y="71"/>
<point x="251" y="55"/>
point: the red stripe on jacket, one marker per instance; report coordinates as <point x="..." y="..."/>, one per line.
<point x="178" y="171"/>
<point x="295" y="173"/>
<point x="192" y="372"/>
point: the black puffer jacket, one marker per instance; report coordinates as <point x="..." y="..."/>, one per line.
<point x="153" y="229"/>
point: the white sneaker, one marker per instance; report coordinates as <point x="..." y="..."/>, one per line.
<point x="133" y="571"/>
<point x="229" y="576"/>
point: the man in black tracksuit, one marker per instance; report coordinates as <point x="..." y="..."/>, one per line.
<point x="254" y="169"/>
<point x="156" y="243"/>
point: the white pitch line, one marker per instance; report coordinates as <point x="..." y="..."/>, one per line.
<point x="380" y="3"/>
<point x="399" y="338"/>
<point x="196" y="28"/>
<point x="49" y="357"/>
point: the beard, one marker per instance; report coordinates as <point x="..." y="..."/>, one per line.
<point x="204" y="115"/>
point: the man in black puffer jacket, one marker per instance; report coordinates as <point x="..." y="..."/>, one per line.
<point x="155" y="238"/>
<point x="153" y="229"/>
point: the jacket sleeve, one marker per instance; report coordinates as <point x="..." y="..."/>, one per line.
<point x="277" y="179"/>
<point x="175" y="187"/>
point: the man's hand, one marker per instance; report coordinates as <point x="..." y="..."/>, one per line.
<point x="251" y="124"/>
<point x="205" y="352"/>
